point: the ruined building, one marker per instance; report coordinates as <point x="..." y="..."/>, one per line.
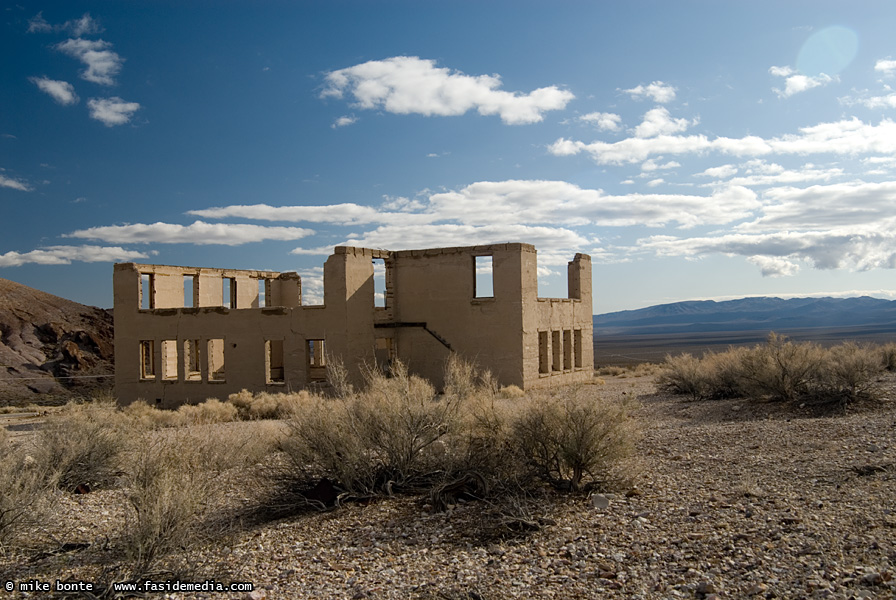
<point x="184" y="334"/>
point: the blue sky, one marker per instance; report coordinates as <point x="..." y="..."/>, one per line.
<point x="693" y="149"/>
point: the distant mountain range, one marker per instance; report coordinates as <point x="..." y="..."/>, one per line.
<point x="749" y="314"/>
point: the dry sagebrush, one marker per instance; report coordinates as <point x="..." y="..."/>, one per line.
<point x="780" y="370"/>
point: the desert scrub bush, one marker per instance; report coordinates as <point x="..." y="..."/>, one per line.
<point x="778" y="370"/>
<point x="204" y="413"/>
<point x="251" y="406"/>
<point x="888" y="356"/>
<point x="570" y="440"/>
<point x="82" y="445"/>
<point x="684" y="374"/>
<point x="852" y="370"/>
<point x="376" y="439"/>
<point x="782" y="369"/>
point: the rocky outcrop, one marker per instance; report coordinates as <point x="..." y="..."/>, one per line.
<point x="51" y="347"/>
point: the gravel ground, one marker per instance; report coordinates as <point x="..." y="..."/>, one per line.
<point x="730" y="500"/>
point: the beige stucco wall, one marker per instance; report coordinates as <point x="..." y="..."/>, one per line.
<point x="430" y="294"/>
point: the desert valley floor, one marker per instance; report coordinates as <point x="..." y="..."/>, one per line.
<point x="727" y="499"/>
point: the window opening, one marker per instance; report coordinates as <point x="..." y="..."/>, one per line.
<point x="191" y="291"/>
<point x="147" y="359"/>
<point x="555" y="350"/>
<point x="567" y="350"/>
<point x="577" y="347"/>
<point x="169" y="359"/>
<point x="147" y="299"/>
<point x="264" y="288"/>
<point x="379" y="282"/>
<point x="215" y="355"/>
<point x="543" y="364"/>
<point x="228" y="292"/>
<point x="191" y="361"/>
<point x="274" y="361"/>
<point x="483" y="281"/>
<point x="317" y="361"/>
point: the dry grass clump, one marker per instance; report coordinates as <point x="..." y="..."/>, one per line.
<point x="262" y="405"/>
<point x="778" y="370"/>
<point x="82" y="446"/>
<point x="474" y="439"/>
<point x="25" y="486"/>
<point x="174" y="487"/>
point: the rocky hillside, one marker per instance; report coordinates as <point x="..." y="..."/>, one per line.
<point x="50" y="346"/>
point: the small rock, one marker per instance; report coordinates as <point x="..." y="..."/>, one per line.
<point x="706" y="587"/>
<point x="872" y="578"/>
<point x="600" y="502"/>
<point x="256" y="595"/>
<point x="759" y="588"/>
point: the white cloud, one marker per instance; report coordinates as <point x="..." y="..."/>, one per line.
<point x="603" y="121"/>
<point x="555" y="244"/>
<point x="343" y="214"/>
<point x="411" y="85"/>
<point x="847" y="137"/>
<point x="61" y="91"/>
<point x="65" y="255"/>
<point x="872" y="102"/>
<point x="530" y="202"/>
<point x="199" y="233"/>
<point x="863" y="247"/>
<point x="14" y="184"/>
<point x="886" y="66"/>
<point x="102" y="64"/>
<point x="658" y="121"/>
<point x="794" y="83"/>
<point x="86" y="25"/>
<point x="721" y="172"/>
<point x="112" y="111"/>
<point x="771" y="266"/>
<point x="826" y="206"/>
<point x="344" y="121"/>
<point x="657" y="91"/>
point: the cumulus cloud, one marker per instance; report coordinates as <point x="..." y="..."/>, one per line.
<point x="658" y="121"/>
<point x="656" y="91"/>
<point x="794" y="83"/>
<point x="61" y="91"/>
<point x="411" y="85"/>
<point x="772" y="266"/>
<point x="112" y="111"/>
<point x="886" y="66"/>
<point x="14" y="184"/>
<point x="199" y="233"/>
<point x="102" y="64"/>
<point x="603" y="121"/>
<point x="344" y="121"/>
<point x="846" y="137"/>
<point x="65" y="255"/>
<point x="85" y="25"/>
<point x="720" y="172"/>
